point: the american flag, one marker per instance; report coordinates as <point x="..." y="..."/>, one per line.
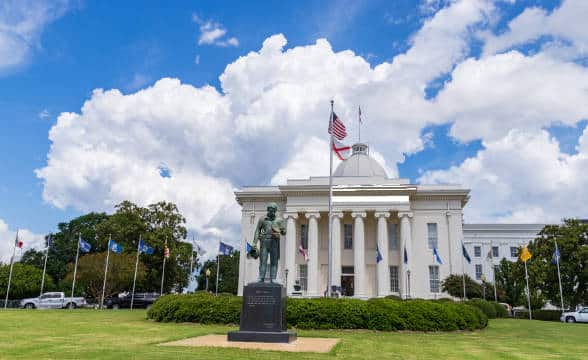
<point x="337" y="128"/>
<point x="166" y="252"/>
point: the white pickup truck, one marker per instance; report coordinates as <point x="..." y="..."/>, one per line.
<point x="575" y="316"/>
<point x="52" y="300"/>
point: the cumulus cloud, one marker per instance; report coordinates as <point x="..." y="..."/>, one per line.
<point x="522" y="177"/>
<point x="8" y="236"/>
<point x="567" y="23"/>
<point x="213" y="33"/>
<point x="268" y="121"/>
<point x="21" y="25"/>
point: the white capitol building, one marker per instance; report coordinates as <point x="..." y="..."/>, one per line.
<point x="370" y="212"/>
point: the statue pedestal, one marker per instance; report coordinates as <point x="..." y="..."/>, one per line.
<point x="263" y="315"/>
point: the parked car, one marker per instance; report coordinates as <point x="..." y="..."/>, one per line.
<point x="575" y="316"/>
<point x="52" y="300"/>
<point x="508" y="308"/>
<point x="123" y="300"/>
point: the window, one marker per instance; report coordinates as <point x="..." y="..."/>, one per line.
<point x="514" y="251"/>
<point x="303" y="276"/>
<point x="477" y="251"/>
<point x="347" y="270"/>
<point x="348" y="236"/>
<point x="393" y="236"/>
<point x="478" y="271"/>
<point x="394" y="279"/>
<point x="434" y="278"/>
<point x="432" y="235"/>
<point x="495" y="251"/>
<point x="304" y="236"/>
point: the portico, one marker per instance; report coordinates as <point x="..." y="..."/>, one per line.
<point x="371" y="214"/>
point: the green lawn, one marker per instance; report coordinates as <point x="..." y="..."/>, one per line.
<point x="82" y="334"/>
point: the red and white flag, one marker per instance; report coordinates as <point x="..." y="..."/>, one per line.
<point x="341" y="150"/>
<point x="337" y="128"/>
<point x="18" y="243"/>
<point x="166" y="251"/>
<point x="303" y="252"/>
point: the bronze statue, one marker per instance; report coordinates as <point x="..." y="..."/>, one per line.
<point x="268" y="233"/>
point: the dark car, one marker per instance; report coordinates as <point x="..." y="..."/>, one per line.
<point x="123" y="300"/>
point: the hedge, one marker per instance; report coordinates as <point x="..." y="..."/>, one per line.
<point x="545" y="315"/>
<point x="323" y="313"/>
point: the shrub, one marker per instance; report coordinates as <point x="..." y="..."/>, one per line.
<point x="545" y="315"/>
<point x="486" y="306"/>
<point x="376" y="314"/>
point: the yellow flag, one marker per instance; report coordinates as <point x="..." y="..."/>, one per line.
<point x="525" y="254"/>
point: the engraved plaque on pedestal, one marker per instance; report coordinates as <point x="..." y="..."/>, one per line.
<point x="263" y="315"/>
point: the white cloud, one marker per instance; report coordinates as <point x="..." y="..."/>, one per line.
<point x="488" y="97"/>
<point x="567" y="22"/>
<point x="21" y="25"/>
<point x="213" y="33"/>
<point x="522" y="177"/>
<point x="44" y="114"/>
<point x="8" y="236"/>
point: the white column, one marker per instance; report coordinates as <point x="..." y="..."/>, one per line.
<point x="405" y="243"/>
<point x="290" y="250"/>
<point x="450" y="245"/>
<point x="313" y="255"/>
<point x="359" y="254"/>
<point x="336" y="265"/>
<point x="382" y="268"/>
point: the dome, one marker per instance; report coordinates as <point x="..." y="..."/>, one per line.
<point x="360" y="164"/>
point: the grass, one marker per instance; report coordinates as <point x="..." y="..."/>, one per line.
<point x="87" y="334"/>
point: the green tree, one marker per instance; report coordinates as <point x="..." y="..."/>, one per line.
<point x="510" y="277"/>
<point x="26" y="281"/>
<point x="157" y="224"/>
<point x="64" y="244"/>
<point x="572" y="240"/>
<point x="90" y="274"/>
<point x="228" y="274"/>
<point x="453" y="285"/>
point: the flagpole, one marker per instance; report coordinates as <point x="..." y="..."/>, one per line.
<point x="45" y="266"/>
<point x="329" y="271"/>
<point x="358" y="125"/>
<point x="105" y="271"/>
<point x="136" y="266"/>
<point x="494" y="280"/>
<point x="528" y="290"/>
<point x="217" y="271"/>
<point x="11" y="265"/>
<point x="73" y="284"/>
<point x="192" y="259"/>
<point x="163" y="270"/>
<point x="558" y="255"/>
<point x="463" y="281"/>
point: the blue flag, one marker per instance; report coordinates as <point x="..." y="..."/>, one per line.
<point x="249" y="247"/>
<point x="437" y="257"/>
<point x="405" y="256"/>
<point x="114" y="247"/>
<point x="556" y="255"/>
<point x="225" y="249"/>
<point x="378" y="255"/>
<point x="465" y="254"/>
<point x="85" y="246"/>
<point x="144" y="248"/>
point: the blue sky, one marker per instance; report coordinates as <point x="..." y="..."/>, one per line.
<point x="75" y="47"/>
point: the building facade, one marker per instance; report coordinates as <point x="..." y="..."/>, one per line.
<point x="385" y="232"/>
<point x="488" y="244"/>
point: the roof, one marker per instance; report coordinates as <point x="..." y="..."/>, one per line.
<point x="360" y="163"/>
